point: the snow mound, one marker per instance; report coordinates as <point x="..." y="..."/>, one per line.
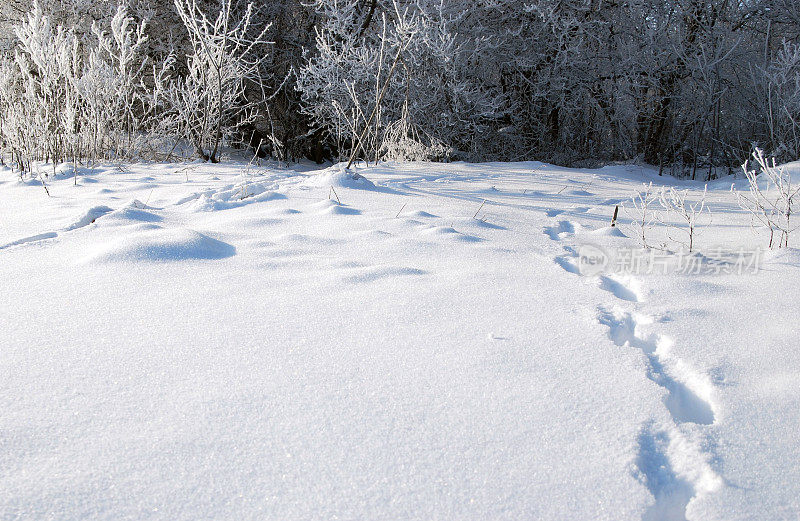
<point x="607" y="231"/>
<point x="134" y="211"/>
<point x="32" y="238"/>
<point x="330" y="207"/>
<point x="243" y="191"/>
<point x="160" y="245"/>
<point x="342" y="210"/>
<point x="419" y="214"/>
<point x="450" y="232"/>
<point x="480" y="223"/>
<point x="339" y="179"/>
<point x="286" y="211"/>
<point x="88" y="217"/>
<point x="133" y="214"/>
<point x="232" y="196"/>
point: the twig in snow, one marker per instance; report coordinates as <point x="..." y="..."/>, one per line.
<point x="334" y="193"/>
<point x="479" y="209"/>
<point x="41" y="180"/>
<point x="401" y="211"/>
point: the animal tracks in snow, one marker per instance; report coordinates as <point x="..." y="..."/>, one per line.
<point x="672" y="493"/>
<point x="670" y="461"/>
<point x="623" y="289"/>
<point x="674" y="467"/>
<point x="562" y="229"/>
<point x="684" y="403"/>
<point x="567" y="264"/>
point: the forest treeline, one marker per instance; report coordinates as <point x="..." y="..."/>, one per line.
<point x="685" y="84"/>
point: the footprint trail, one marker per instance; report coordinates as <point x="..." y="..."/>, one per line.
<point x="671" y="459"/>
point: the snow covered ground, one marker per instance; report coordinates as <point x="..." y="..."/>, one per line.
<point x="185" y="342"/>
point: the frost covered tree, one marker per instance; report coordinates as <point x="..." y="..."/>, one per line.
<point x="781" y="81"/>
<point x="111" y="84"/>
<point x="209" y="100"/>
<point x="433" y="96"/>
<point x="68" y="97"/>
<point x="688" y="85"/>
<point x="771" y="198"/>
<point x="45" y="70"/>
<point x="676" y="203"/>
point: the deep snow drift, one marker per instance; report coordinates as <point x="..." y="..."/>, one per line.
<point x="229" y="342"/>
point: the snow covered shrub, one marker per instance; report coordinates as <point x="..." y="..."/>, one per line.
<point x="684" y="85"/>
<point x="413" y="82"/>
<point x="15" y="116"/>
<point x="66" y="97"/>
<point x="641" y="213"/>
<point x="453" y="83"/>
<point x="675" y="202"/>
<point x="772" y="202"/>
<point x="111" y="85"/>
<point x="341" y="83"/>
<point x="209" y="101"/>
<point x="49" y="65"/>
<point x="403" y="141"/>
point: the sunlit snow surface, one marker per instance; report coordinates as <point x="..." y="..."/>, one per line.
<point x="230" y="342"/>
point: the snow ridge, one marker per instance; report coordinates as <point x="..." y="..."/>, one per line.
<point x="672" y="461"/>
<point x="88" y="217"/>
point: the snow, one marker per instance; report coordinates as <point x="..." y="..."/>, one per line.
<point x="242" y="342"/>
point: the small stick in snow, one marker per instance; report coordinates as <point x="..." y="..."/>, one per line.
<point x="614" y="219"/>
<point x="479" y="209"/>
<point x="401" y="211"/>
<point x="334" y="193"/>
<point x="565" y="187"/>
